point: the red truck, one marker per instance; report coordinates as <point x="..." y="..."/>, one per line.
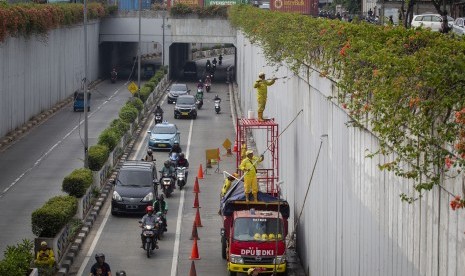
<point x="253" y="234"/>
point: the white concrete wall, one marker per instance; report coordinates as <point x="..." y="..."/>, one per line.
<point x="354" y="222"/>
<point x="39" y="71"/>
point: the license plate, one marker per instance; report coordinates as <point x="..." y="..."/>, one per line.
<point x="148" y="233"/>
<point x="131" y="207"/>
<point x="161" y="145"/>
<point x="185" y="113"/>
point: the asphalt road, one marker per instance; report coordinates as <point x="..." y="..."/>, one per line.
<point x="33" y="168"/>
<point x="118" y="237"/>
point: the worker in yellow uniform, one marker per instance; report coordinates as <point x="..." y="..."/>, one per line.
<point x="249" y="167"/>
<point x="45" y="256"/>
<point x="262" y="89"/>
<point x="227" y="183"/>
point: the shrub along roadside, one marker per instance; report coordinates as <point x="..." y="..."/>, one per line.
<point x="119" y="126"/>
<point x="77" y="182"/>
<point x="109" y="138"/>
<point x="48" y="220"/>
<point x="18" y="259"/>
<point x="98" y="155"/>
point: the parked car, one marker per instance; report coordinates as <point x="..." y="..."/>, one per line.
<point x="185" y="107"/>
<point x="459" y="26"/>
<point x="430" y="21"/>
<point x="177" y="90"/>
<point x="135" y="187"/>
<point x="163" y="136"/>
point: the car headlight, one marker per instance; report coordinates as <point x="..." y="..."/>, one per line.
<point x="237" y="259"/>
<point x="116" y="196"/>
<point x="279" y="260"/>
<point x="148" y="197"/>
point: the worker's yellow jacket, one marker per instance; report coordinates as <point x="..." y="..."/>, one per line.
<point x="262" y="88"/>
<point x="249" y="166"/>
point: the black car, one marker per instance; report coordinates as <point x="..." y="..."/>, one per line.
<point x="185" y="107"/>
<point x="135" y="188"/>
<point x="190" y="70"/>
<point x="177" y="90"/>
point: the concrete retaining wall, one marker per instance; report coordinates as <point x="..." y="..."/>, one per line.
<point x="353" y="222"/>
<point x="40" y="71"/>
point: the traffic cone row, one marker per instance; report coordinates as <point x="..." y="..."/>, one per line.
<point x="196" y="186"/>
<point x="200" y="173"/>
<point x="196" y="201"/>
<point x="192" y="272"/>
<point x="195" y="251"/>
<point x="194" y="234"/>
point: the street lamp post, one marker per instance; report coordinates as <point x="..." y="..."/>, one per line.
<point x="163" y="13"/>
<point x="86" y="127"/>
<point x="139" y="49"/>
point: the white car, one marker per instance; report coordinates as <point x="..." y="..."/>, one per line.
<point x="459" y="26"/>
<point x="430" y="21"/>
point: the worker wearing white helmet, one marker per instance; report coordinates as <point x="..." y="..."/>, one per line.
<point x="248" y="166"/>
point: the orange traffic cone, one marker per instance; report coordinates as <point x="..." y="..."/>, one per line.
<point x="194" y="234"/>
<point x="196" y="201"/>
<point x="235" y="146"/>
<point x="195" y="252"/>
<point x="219" y="158"/>
<point x="196" y="186"/>
<point x="200" y="173"/>
<point x="198" y="222"/>
<point x="192" y="272"/>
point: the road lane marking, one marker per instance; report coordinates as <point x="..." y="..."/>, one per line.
<point x="174" y="264"/>
<point x="94" y="243"/>
<point x="42" y="157"/>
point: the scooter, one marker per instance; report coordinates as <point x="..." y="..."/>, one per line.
<point x="181" y="176"/>
<point x="158" y="118"/>
<point x="167" y="184"/>
<point x="217" y="106"/>
<point x="199" y="98"/>
<point x="113" y="76"/>
<point x="150" y="233"/>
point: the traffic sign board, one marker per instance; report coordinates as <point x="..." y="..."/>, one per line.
<point x="132" y="87"/>
<point x="227" y="144"/>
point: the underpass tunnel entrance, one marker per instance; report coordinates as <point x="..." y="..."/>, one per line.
<point x="123" y="57"/>
<point x="188" y="62"/>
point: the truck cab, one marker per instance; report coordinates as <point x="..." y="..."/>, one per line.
<point x="253" y="234"/>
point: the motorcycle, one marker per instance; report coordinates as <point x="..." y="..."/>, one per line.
<point x="162" y="229"/>
<point x="113" y="76"/>
<point x="158" y="118"/>
<point x="150" y="233"/>
<point x="181" y="176"/>
<point x="217" y="106"/>
<point x="167" y="184"/>
<point x="207" y="87"/>
<point x="199" y="98"/>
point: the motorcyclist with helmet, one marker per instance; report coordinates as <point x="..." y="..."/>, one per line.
<point x="175" y="148"/>
<point x="200" y="84"/>
<point x="149" y="157"/>
<point x="158" y="112"/>
<point x="208" y="66"/>
<point x="217" y="98"/>
<point x="168" y="169"/>
<point x="148" y="219"/>
<point x="160" y="207"/>
<point x="100" y="267"/>
<point x="183" y="162"/>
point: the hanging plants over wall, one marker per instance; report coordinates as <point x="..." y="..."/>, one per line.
<point x="405" y="85"/>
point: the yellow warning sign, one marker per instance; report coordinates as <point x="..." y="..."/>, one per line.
<point x="227" y="144"/>
<point x="132" y="87"/>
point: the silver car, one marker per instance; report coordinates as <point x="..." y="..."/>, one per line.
<point x="459" y="26"/>
<point x="430" y="21"/>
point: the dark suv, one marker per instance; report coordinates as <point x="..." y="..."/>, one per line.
<point x="185" y="107"/>
<point x="135" y="188"/>
<point x="190" y="70"/>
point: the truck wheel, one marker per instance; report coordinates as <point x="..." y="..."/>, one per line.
<point x="223" y="248"/>
<point x="232" y="273"/>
